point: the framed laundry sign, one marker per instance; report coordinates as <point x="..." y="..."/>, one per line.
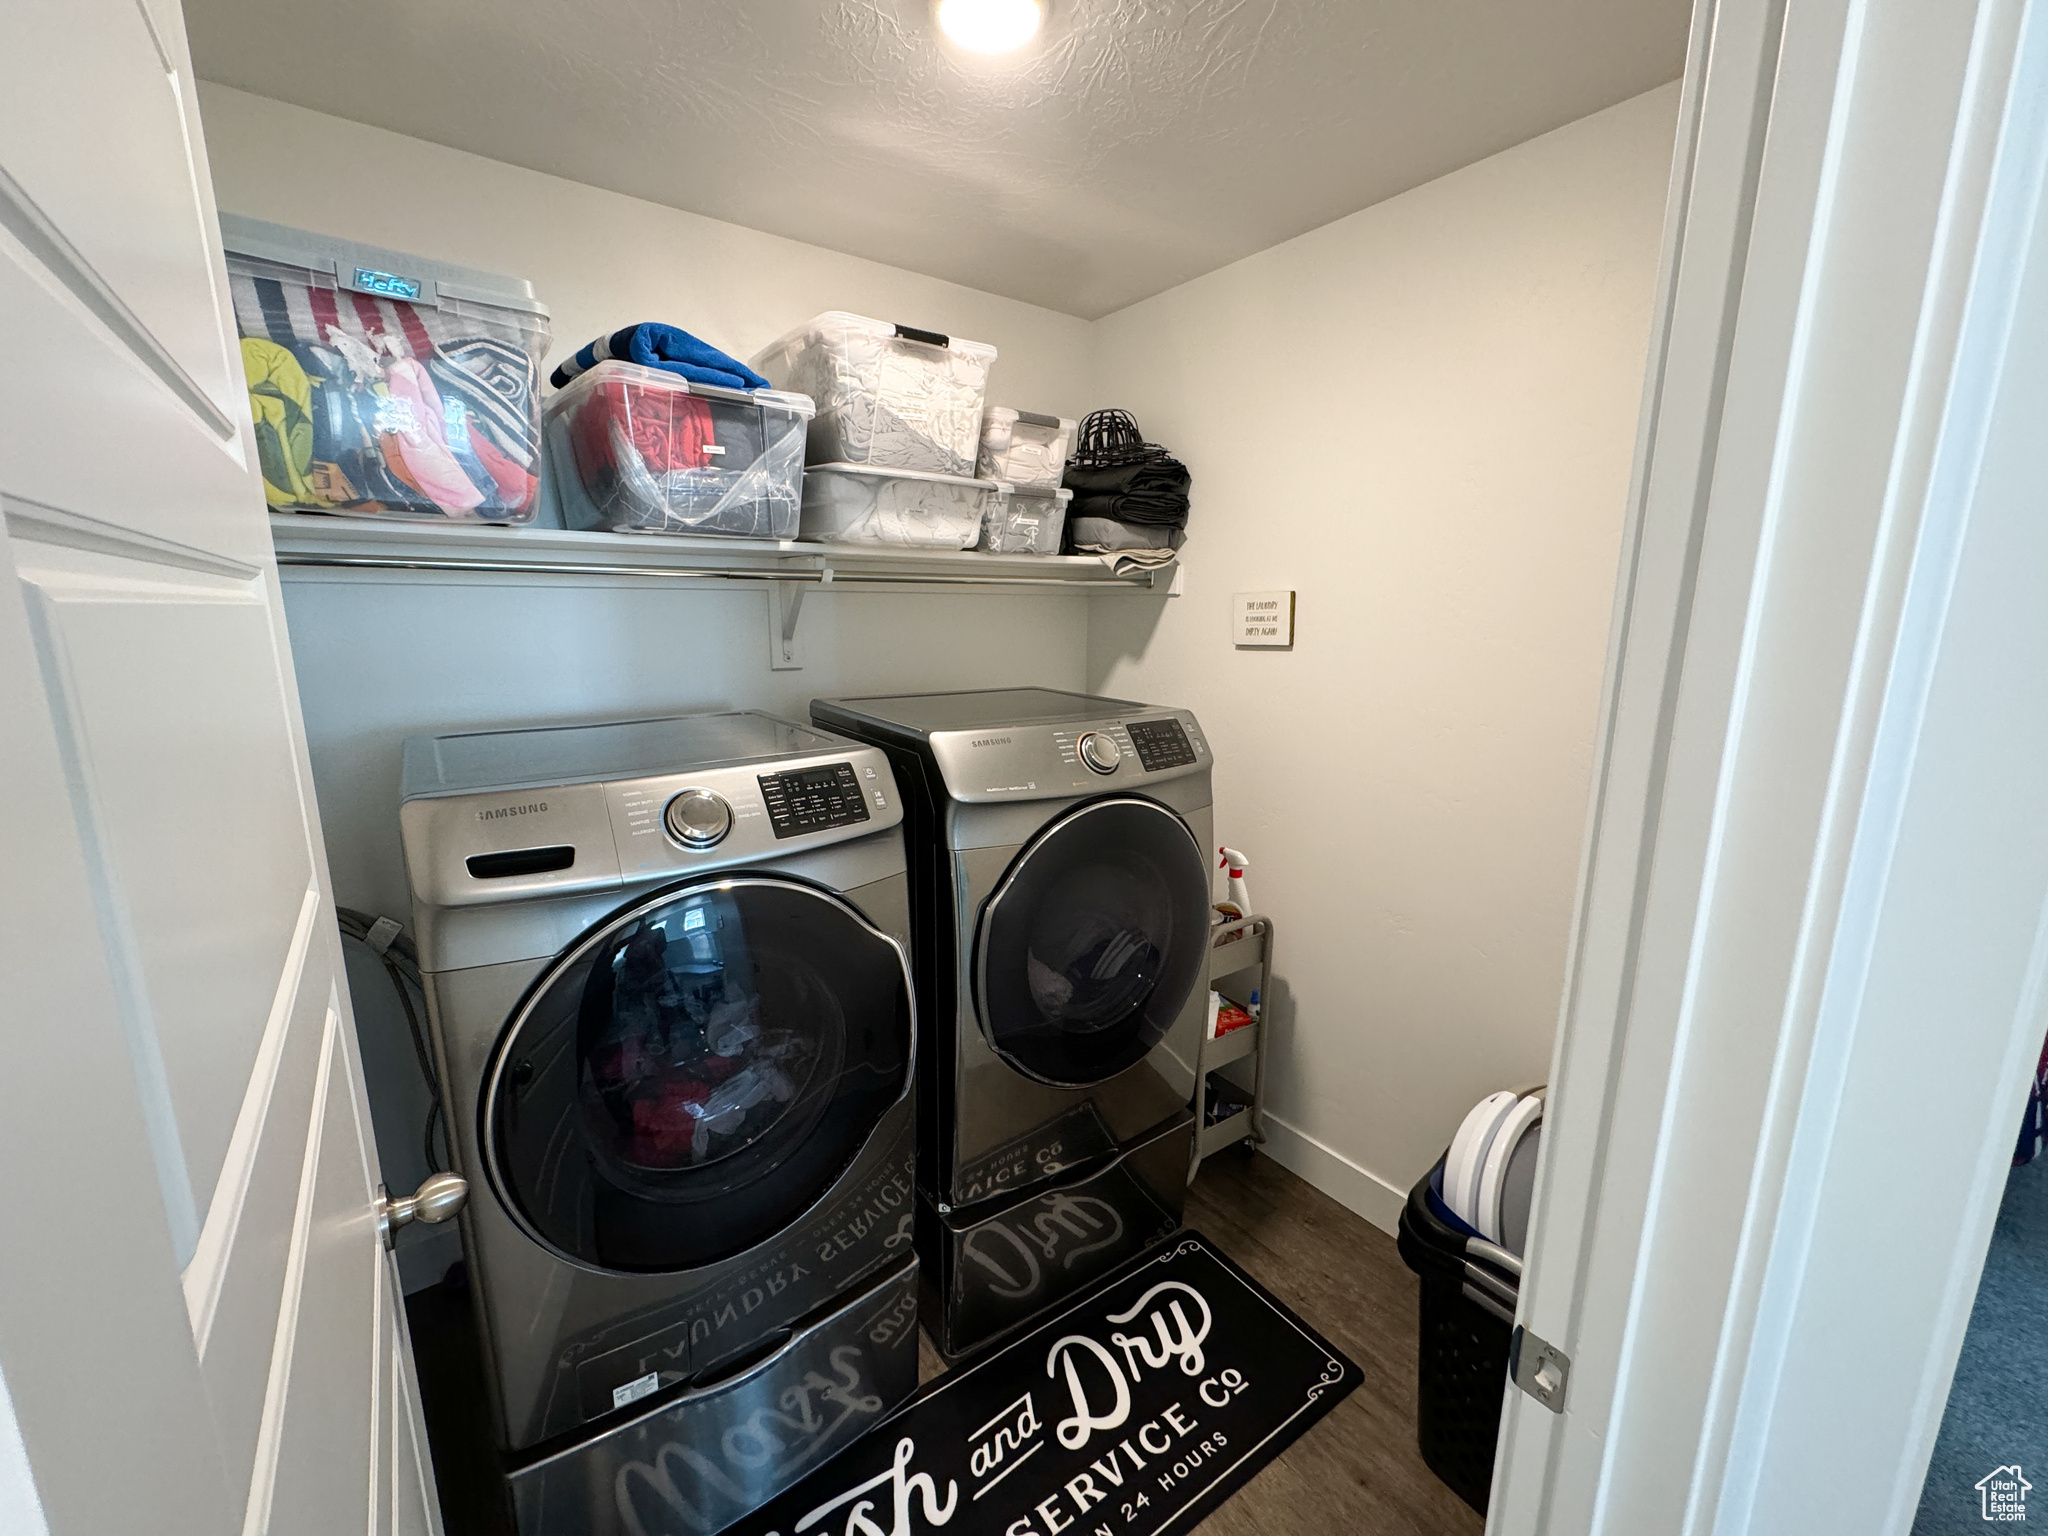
<point x="1135" y="1413"/>
<point x="1262" y="620"/>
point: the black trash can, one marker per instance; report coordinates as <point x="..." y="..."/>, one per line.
<point x="1469" y="1289"/>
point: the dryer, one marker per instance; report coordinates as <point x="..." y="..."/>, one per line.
<point x="665" y="963"/>
<point x="1060" y="896"/>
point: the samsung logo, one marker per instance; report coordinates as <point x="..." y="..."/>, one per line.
<point x="530" y="808"/>
<point x="990" y="741"/>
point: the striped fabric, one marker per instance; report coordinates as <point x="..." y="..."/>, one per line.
<point x="589" y="356"/>
<point x="499" y="383"/>
<point x="498" y="380"/>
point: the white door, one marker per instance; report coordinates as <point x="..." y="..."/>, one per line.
<point x="1810" y="975"/>
<point x="200" y="1329"/>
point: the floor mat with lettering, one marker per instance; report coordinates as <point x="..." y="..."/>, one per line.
<point x="1135" y="1412"/>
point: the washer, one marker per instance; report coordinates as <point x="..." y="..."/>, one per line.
<point x="1060" y="896"/>
<point x="666" y="967"/>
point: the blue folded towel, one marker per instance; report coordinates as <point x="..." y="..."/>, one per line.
<point x="653" y="345"/>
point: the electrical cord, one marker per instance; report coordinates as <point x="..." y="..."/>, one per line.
<point x="387" y="941"/>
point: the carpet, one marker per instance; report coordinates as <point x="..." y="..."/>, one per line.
<point x="1996" y="1421"/>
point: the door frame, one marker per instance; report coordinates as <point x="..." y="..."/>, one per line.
<point x="1806" y="974"/>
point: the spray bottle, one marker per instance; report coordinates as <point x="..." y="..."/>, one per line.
<point x="1234" y="865"/>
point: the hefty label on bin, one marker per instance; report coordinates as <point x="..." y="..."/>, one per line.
<point x="1135" y="1413"/>
<point x="389" y="284"/>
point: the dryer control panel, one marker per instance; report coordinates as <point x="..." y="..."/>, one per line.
<point x="810" y="799"/>
<point x="1058" y="760"/>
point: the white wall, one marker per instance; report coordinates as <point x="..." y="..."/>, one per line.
<point x="381" y="658"/>
<point x="1421" y="418"/>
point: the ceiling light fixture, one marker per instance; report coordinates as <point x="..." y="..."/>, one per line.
<point x="991" y="26"/>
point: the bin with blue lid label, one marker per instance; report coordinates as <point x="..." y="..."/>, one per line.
<point x="386" y="385"/>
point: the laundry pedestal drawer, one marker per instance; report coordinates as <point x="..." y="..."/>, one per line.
<point x="997" y="1265"/>
<point x="706" y="1455"/>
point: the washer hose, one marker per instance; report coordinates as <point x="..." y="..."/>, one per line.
<point x="387" y="941"/>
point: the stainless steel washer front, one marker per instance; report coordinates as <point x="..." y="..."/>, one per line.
<point x="678" y="1049"/>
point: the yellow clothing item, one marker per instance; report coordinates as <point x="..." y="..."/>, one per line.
<point x="281" y="400"/>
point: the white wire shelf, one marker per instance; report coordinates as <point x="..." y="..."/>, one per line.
<point x="367" y="546"/>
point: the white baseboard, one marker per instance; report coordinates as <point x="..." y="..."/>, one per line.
<point x="1356" y="1188"/>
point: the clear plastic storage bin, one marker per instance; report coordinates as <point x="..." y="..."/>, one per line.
<point x="1026" y="449"/>
<point x="642" y="450"/>
<point x="1024" y="524"/>
<point x="856" y="504"/>
<point x="386" y="385"/>
<point x="888" y="395"/>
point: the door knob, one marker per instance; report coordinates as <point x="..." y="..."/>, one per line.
<point x="439" y="1196"/>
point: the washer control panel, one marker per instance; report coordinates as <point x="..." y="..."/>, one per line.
<point x="1099" y="751"/>
<point x="811" y="799"/>
<point x="698" y="818"/>
<point x="488" y="846"/>
<point x="1098" y="748"/>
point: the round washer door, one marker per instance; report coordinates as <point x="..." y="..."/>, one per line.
<point x="695" y="1074"/>
<point x="1093" y="942"/>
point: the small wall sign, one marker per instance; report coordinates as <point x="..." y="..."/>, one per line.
<point x="1263" y="620"/>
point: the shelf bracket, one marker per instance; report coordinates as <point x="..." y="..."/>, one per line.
<point x="785" y="606"/>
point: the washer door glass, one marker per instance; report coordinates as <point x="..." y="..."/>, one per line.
<point x="1090" y="947"/>
<point x="696" y="1074"/>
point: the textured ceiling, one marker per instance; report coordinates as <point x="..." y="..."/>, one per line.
<point x="1138" y="144"/>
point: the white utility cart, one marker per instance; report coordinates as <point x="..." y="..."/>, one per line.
<point x="1241" y="969"/>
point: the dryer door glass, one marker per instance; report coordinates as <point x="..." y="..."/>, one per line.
<point x="1092" y="944"/>
<point x="695" y="1074"/>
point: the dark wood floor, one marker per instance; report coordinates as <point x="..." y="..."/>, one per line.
<point x="1358" y="1470"/>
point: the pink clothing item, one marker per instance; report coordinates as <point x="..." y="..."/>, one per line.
<point x="515" y="485"/>
<point x="424" y="444"/>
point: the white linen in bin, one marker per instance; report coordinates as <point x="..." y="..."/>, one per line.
<point x="857" y="504"/>
<point x="1028" y="450"/>
<point x="887" y="396"/>
<point x="1024" y="524"/>
<point x="643" y="450"/>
